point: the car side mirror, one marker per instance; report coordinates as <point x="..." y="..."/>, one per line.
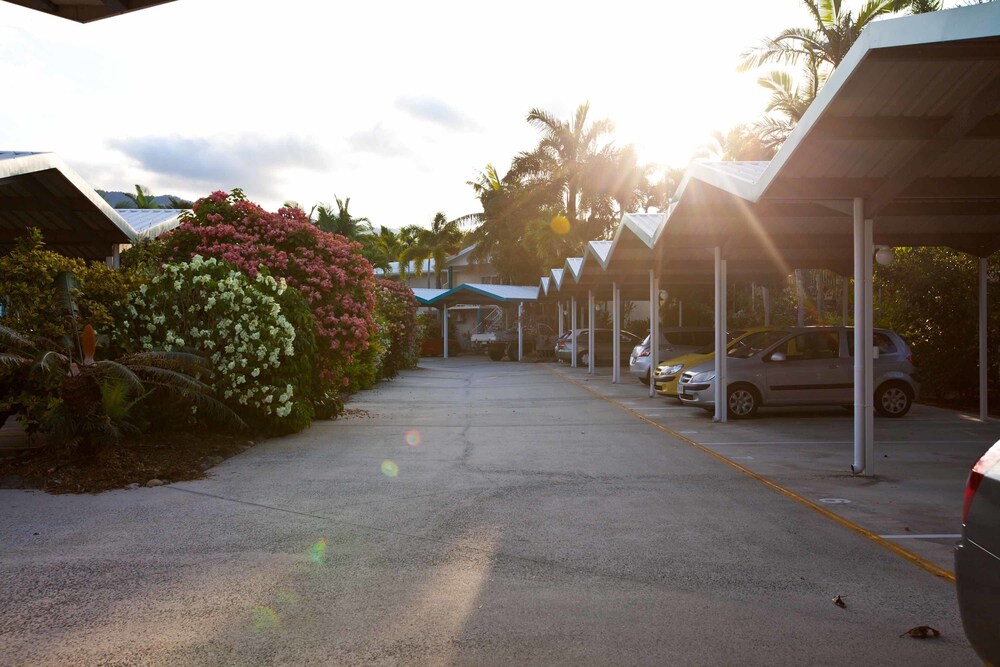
<point x="778" y="356"/>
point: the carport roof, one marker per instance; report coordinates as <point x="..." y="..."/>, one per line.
<point x="426" y="295"/>
<point x="85" y="11"/>
<point x="40" y="190"/>
<point x="910" y="122"/>
<point x="479" y="294"/>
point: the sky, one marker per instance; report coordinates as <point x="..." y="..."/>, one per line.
<point x="395" y="105"/>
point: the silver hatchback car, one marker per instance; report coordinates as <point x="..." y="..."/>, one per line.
<point x="803" y="366"/>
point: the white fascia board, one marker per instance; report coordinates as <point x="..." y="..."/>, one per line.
<point x="29" y="164"/>
<point x="557" y="277"/>
<point x="573" y="266"/>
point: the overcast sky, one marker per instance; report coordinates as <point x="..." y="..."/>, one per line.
<point x="395" y="105"/>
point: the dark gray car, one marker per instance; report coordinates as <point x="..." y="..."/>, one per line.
<point x="977" y="558"/>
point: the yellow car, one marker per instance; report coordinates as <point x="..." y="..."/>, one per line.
<point x="669" y="372"/>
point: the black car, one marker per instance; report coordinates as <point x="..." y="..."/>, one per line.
<point x="977" y="558"/>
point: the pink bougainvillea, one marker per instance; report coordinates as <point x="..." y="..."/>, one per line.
<point x="326" y="268"/>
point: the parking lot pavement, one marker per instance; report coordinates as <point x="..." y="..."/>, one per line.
<point x="921" y="466"/>
<point x="466" y="512"/>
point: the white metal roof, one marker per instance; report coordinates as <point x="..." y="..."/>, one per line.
<point x="426" y="295"/>
<point x="473" y="293"/>
<point x="151" y="222"/>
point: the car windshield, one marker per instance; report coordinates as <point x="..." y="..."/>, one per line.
<point x="755" y="343"/>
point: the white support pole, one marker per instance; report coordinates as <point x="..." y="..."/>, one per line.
<point x="680" y="313"/>
<point x="720" y="338"/>
<point x="845" y="301"/>
<point x="562" y="324"/>
<point x="653" y="333"/>
<point x="800" y="313"/>
<point x="984" y="406"/>
<point x="819" y="296"/>
<point x="723" y="378"/>
<point x="446" y="332"/>
<point x="520" y="331"/>
<point x="572" y="330"/>
<point x="864" y="424"/>
<point x="655" y="321"/>
<point x="590" y="328"/>
<point x="766" y="294"/>
<point x="616" y="330"/>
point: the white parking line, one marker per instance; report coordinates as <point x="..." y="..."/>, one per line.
<point x="844" y="442"/>
<point x="921" y="537"/>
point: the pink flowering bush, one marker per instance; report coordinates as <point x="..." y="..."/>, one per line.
<point x="327" y="269"/>
<point x="397" y="305"/>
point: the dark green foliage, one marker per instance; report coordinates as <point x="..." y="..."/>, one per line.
<point x="395" y="303"/>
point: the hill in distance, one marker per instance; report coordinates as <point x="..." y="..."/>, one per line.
<point x="120" y="200"/>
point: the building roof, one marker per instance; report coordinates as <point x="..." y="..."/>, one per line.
<point x="85" y="11"/>
<point x="426" y="295"/>
<point x="474" y="293"/>
<point x="41" y="190"/>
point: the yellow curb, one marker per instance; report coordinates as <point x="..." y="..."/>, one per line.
<point x="909" y="556"/>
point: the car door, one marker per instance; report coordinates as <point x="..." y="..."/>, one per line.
<point x="806" y="369"/>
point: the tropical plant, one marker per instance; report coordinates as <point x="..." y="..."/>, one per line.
<point x="789" y="102"/>
<point x="237" y="323"/>
<point x="384" y="248"/>
<point x="739" y="143"/>
<point x="143" y="198"/>
<point x="443" y="239"/>
<point x="329" y="271"/>
<point x="341" y="221"/>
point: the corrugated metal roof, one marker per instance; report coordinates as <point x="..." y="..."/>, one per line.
<point x="600" y="250"/>
<point x="486" y="294"/>
<point x="426" y="295"/>
<point x="543" y="285"/>
<point x="149" y="223"/>
<point x="428" y="267"/>
<point x="557" y="277"/>
<point x="573" y="265"/>
<point x="85" y="11"/>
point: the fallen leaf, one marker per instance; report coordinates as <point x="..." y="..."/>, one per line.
<point x="922" y="632"/>
<point x="839" y="602"/>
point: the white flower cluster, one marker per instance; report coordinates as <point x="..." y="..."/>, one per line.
<point x="234" y="320"/>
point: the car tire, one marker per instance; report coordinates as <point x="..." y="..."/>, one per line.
<point x="893" y="399"/>
<point x="496" y="354"/>
<point x="584" y="360"/>
<point x="644" y="380"/>
<point x="743" y="401"/>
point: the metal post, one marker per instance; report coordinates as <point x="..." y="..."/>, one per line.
<point x="766" y="294"/>
<point x="984" y="408"/>
<point x="720" y="345"/>
<point x="446" y="332"/>
<point x="653" y="333"/>
<point x="572" y="330"/>
<point x="655" y="322"/>
<point x="591" y="307"/>
<point x="562" y="327"/>
<point x="520" y="331"/>
<point x="819" y="296"/>
<point x="680" y="313"/>
<point x="845" y="300"/>
<point x="616" y="329"/>
<point x="863" y="357"/>
<point x="800" y="315"/>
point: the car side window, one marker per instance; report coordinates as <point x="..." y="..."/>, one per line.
<point x="811" y="346"/>
<point x="882" y="341"/>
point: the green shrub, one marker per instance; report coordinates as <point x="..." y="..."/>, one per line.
<point x="241" y="325"/>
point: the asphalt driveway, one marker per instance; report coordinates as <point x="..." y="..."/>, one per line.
<point x="469" y="512"/>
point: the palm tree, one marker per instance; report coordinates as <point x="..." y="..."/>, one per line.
<point x="788" y="102"/>
<point x="384" y="248"/>
<point x="340" y="221"/>
<point x="566" y="155"/>
<point x="830" y="38"/>
<point x="143" y="198"/>
<point x="739" y="143"/>
<point x="442" y="240"/>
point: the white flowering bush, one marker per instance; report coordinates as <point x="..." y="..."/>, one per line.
<point x="235" y="321"/>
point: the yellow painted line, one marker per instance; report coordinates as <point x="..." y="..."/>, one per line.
<point x="909" y="556"/>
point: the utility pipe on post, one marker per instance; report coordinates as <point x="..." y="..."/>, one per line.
<point x="984" y="406"/>
<point x="864" y="424"/>
<point x="572" y="330"/>
<point x="591" y="307"/>
<point x="520" y="331"/>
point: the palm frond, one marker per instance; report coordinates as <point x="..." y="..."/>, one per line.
<point x="120" y="372"/>
<point x="164" y="377"/>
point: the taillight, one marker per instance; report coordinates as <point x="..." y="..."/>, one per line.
<point x="644" y="352"/>
<point x="983" y="465"/>
<point x="562" y="345"/>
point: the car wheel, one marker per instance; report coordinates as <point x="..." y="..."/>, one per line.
<point x="644" y="380"/>
<point x="893" y="399"/>
<point x="496" y="354"/>
<point x="584" y="359"/>
<point x="743" y="401"/>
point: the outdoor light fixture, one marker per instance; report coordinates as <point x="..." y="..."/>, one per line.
<point x="884" y="255"/>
